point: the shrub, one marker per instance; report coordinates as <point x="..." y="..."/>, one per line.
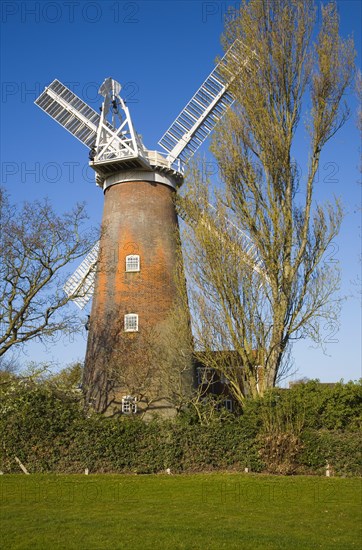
<point x="341" y="450"/>
<point x="287" y="432"/>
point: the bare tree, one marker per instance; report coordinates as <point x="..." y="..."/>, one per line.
<point x="172" y="346"/>
<point x="36" y="245"/>
<point x="9" y="364"/>
<point x="260" y="282"/>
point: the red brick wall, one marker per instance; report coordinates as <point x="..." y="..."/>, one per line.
<point x="138" y="218"/>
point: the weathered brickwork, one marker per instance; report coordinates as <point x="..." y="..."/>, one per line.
<point x="139" y="218"/>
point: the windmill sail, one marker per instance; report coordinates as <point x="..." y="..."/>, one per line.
<point x="70" y="112"/>
<point x="244" y="244"/>
<point x="201" y="114"/>
<point x="81" y="283"/>
<point x="246" y="247"/>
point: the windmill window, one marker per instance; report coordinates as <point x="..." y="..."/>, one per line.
<point x="228" y="404"/>
<point x="129" y="404"/>
<point x="131" y="322"/>
<point x="133" y="262"/>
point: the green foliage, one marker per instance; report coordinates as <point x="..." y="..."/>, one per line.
<point x="43" y="423"/>
<point x="309" y="425"/>
<point x="341" y="450"/>
<point x="330" y="406"/>
<point x="68" y="378"/>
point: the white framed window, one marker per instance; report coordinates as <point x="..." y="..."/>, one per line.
<point x="131" y="322"/>
<point x="129" y="404"/>
<point x="228" y="404"/>
<point x="133" y="262"/>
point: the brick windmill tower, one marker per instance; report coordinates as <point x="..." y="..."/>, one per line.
<point x="130" y="272"/>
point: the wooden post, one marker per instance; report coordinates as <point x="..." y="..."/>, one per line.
<point x="22" y="466"/>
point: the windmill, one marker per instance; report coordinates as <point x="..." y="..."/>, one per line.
<point x="130" y="271"/>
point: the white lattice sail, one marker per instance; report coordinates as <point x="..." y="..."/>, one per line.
<point x="80" y="285"/>
<point x="201" y="114"/>
<point x="70" y="111"/>
<point x="245" y="245"/>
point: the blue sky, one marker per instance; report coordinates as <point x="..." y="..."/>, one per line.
<point x="161" y="52"/>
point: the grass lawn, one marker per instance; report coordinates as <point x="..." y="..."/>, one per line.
<point x="179" y="512"/>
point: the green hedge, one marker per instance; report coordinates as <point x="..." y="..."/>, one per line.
<point x="341" y="450"/>
<point x="295" y="431"/>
